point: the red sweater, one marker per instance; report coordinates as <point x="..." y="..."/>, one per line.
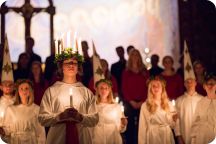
<point x="174" y="86"/>
<point x="134" y="86"/>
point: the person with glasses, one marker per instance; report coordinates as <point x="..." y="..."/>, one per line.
<point x="68" y="107"/>
<point x="204" y="124"/>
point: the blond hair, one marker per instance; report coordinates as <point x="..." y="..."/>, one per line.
<point x="151" y="105"/>
<point x="140" y="64"/>
<point x="110" y="95"/>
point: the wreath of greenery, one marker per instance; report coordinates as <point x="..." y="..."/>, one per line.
<point x="68" y="53"/>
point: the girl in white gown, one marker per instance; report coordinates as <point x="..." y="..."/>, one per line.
<point x="111" y="117"/>
<point x="20" y="125"/>
<point x="157" y="115"/>
<point x="204" y="124"/>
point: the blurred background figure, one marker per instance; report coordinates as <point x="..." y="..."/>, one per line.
<point x="174" y="82"/>
<point x="134" y="91"/>
<point x="39" y="83"/>
<point x="118" y="67"/>
<point x="200" y="72"/>
<point x="29" y="50"/>
<point x="87" y="64"/>
<point x="22" y="71"/>
<point x="155" y="69"/>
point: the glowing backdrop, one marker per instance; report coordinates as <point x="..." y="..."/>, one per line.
<point x="142" y="23"/>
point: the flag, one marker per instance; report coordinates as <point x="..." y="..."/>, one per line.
<point x="7" y="71"/>
<point x="97" y="68"/>
<point x="188" y="68"/>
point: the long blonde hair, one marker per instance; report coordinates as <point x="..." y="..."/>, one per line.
<point x="151" y="105"/>
<point x="140" y="64"/>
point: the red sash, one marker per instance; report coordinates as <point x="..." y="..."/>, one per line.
<point x="72" y="136"/>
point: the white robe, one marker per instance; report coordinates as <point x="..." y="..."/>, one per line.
<point x="155" y="128"/>
<point x="107" y="131"/>
<point x="204" y="124"/>
<point x="56" y="99"/>
<point x="21" y="125"/>
<point x="4" y="103"/>
<point x="186" y="106"/>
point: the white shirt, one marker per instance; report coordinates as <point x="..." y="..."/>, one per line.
<point x="186" y="106"/>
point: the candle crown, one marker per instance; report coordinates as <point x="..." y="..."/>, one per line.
<point x="68" y="53"/>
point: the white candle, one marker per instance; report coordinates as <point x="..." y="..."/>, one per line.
<point x="75" y="42"/>
<point x="117" y="99"/>
<point x="173" y="102"/>
<point x="71" y="98"/>
<point x="56" y="46"/>
<point x="68" y="39"/>
<point x="80" y="46"/>
<point x="122" y="107"/>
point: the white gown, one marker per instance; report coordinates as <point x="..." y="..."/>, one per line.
<point x="204" y="124"/>
<point x="107" y="131"/>
<point x="155" y="128"/>
<point x="56" y="99"/>
<point x="186" y="106"/>
<point x="21" y="125"/>
<point x="4" y="103"/>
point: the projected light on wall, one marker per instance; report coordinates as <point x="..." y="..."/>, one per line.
<point x="142" y="23"/>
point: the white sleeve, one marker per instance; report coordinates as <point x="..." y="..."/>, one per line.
<point x="46" y="116"/>
<point x="142" y="133"/>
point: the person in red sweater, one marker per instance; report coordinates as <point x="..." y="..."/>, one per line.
<point x="134" y="91"/>
<point x="174" y="82"/>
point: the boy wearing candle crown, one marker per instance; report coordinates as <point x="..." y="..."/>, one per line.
<point x="186" y="104"/>
<point x="112" y="121"/>
<point x="70" y="119"/>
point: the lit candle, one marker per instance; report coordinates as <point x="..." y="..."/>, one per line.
<point x="68" y="39"/>
<point x="173" y="102"/>
<point x="117" y="99"/>
<point x="56" y="46"/>
<point x="80" y="46"/>
<point x="71" y="98"/>
<point x="122" y="107"/>
<point x="75" y="41"/>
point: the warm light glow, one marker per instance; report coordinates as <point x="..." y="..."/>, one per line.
<point x="117" y="99"/>
<point x="146" y="50"/>
<point x="75" y="42"/>
<point x="173" y="102"/>
<point x="148" y="60"/>
<point x="69" y="39"/>
<point x="56" y="46"/>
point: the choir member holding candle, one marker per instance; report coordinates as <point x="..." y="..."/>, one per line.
<point x="68" y="107"/>
<point x="20" y="124"/>
<point x="157" y="115"/>
<point x="112" y="121"/>
<point x="204" y="124"/>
